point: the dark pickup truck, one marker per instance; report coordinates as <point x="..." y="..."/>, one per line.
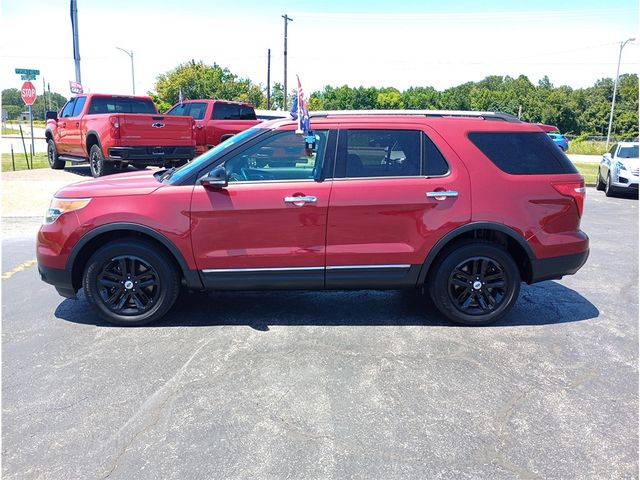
<point x="112" y="131"/>
<point x="216" y="120"/>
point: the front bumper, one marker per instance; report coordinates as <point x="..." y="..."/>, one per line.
<point x="59" y="278"/>
<point x="625" y="180"/>
<point x="151" y="155"/>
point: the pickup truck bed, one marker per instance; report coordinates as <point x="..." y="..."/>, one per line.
<point x="111" y="132"/>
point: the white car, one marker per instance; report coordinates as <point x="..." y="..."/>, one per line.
<point x="618" y="169"/>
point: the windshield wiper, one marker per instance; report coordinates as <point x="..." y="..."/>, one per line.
<point x="166" y="175"/>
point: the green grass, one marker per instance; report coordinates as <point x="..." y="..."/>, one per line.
<point x="589" y="171"/>
<point x="9" y="131"/>
<point x="587" y="147"/>
<point x="39" y="161"/>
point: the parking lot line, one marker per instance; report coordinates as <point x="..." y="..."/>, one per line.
<point x="19" y="268"/>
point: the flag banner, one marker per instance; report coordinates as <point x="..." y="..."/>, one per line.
<point x="180" y="97"/>
<point x="75" y="87"/>
<point x="301" y="112"/>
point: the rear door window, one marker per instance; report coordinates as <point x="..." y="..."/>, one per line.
<point x="379" y="153"/>
<point x="523" y="153"/>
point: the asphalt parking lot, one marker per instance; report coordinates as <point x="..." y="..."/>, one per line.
<point x="328" y="385"/>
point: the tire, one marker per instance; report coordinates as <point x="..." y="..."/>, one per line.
<point x="110" y="282"/>
<point x="599" y="183"/>
<point x="608" y="188"/>
<point x="52" y="156"/>
<point x="97" y="163"/>
<point x="458" y="279"/>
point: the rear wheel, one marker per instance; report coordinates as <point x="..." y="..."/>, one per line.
<point x="130" y="283"/>
<point x="599" y="182"/>
<point x="52" y="156"/>
<point x="474" y="283"/>
<point x="99" y="166"/>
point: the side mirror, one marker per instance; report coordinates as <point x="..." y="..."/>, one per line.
<point x="216" y="178"/>
<point x="52" y="116"/>
<point x="607" y="155"/>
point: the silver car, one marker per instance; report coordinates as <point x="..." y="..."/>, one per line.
<point x="618" y="169"/>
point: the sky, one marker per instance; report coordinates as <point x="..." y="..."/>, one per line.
<point x="399" y="43"/>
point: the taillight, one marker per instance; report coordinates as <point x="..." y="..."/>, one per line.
<point x="115" y="127"/>
<point x="575" y="190"/>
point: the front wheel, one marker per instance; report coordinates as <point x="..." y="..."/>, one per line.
<point x="52" y="156"/>
<point x="130" y="283"/>
<point x="474" y="283"/>
<point x="608" y="188"/>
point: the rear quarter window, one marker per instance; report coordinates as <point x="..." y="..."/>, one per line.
<point x="523" y="153"/>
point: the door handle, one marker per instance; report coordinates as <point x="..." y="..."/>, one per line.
<point x="64" y="124"/>
<point x="77" y="124"/>
<point x="305" y="199"/>
<point x="442" y="195"/>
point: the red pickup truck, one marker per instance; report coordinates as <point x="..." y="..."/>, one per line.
<point x="216" y="120"/>
<point x="112" y="131"/>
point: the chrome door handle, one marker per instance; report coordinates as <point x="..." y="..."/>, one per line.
<point x="305" y="199"/>
<point x="447" y="193"/>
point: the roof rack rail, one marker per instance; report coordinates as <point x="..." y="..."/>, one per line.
<point x="427" y="113"/>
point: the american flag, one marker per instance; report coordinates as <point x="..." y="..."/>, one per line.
<point x="300" y="110"/>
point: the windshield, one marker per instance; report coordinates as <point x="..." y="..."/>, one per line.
<point x="197" y="163"/>
<point x="628" y="152"/>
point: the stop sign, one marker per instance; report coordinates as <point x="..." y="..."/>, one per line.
<point x="28" y="93"/>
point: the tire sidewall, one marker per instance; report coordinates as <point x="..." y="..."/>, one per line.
<point x="169" y="281"/>
<point x="99" y="169"/>
<point x="52" y="156"/>
<point x="439" y="281"/>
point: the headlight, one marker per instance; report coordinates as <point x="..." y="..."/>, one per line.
<point x="620" y="166"/>
<point x="63" y="205"/>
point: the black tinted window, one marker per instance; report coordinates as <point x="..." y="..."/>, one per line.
<point x="434" y="163"/>
<point x="179" y="110"/>
<point x="628" y="152"/>
<point x="226" y="111"/>
<point x="247" y="113"/>
<point x="121" y="105"/>
<point x="382" y="153"/>
<point x="522" y="153"/>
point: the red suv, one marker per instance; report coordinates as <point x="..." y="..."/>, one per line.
<point x="465" y="204"/>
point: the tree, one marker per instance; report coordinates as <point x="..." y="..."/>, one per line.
<point x="198" y="80"/>
<point x="13" y="104"/>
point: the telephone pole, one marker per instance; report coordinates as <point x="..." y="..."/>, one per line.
<point x="268" y="79"/>
<point x="287" y="19"/>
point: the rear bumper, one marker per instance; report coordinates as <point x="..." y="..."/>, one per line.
<point x="554" y="268"/>
<point x="151" y="155"/>
<point x="59" y="278"/>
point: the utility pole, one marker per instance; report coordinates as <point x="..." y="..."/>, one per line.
<point x="287" y="19"/>
<point x="76" y="38"/>
<point x="615" y="88"/>
<point x="133" y="78"/>
<point x="268" y="79"/>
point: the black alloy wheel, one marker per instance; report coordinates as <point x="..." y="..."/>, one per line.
<point x="128" y="285"/>
<point x="52" y="156"/>
<point x="131" y="282"/>
<point x="477" y="286"/>
<point x="474" y="282"/>
<point x="97" y="163"/>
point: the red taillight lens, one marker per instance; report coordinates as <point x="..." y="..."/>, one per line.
<point x="575" y="190"/>
<point x="115" y="127"/>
